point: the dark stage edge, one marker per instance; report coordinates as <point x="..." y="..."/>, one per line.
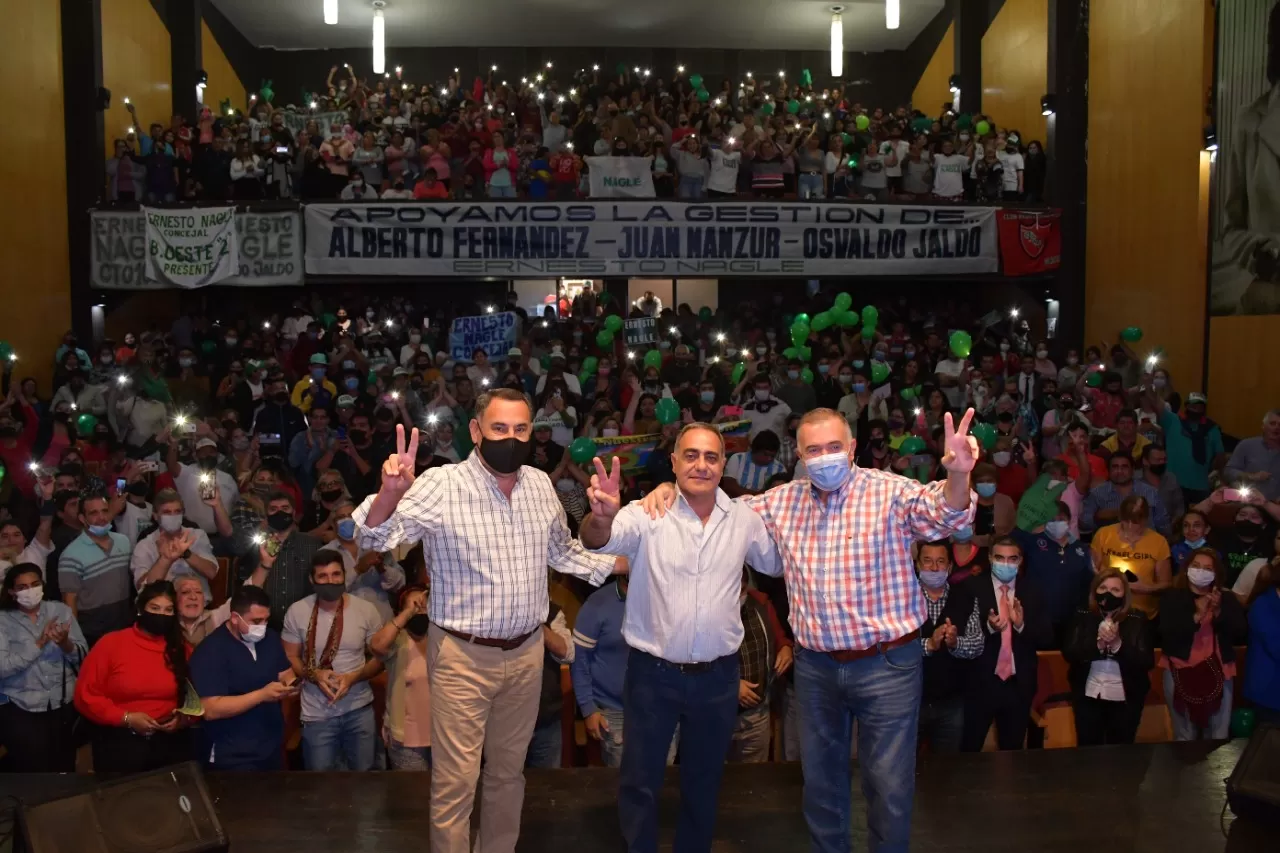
<point x="1164" y="798"/>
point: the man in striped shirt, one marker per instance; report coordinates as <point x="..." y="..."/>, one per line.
<point x="93" y="572"/>
<point x="748" y="473"/>
<point x="490" y="526"/>
<point x="845" y="539"/>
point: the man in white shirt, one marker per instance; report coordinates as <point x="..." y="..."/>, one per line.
<point x="948" y="171"/>
<point x="173" y="550"/>
<point x="683" y="623"/>
<point x="765" y="411"/>
<point x="557" y="371"/>
<point x="900" y="148"/>
<point x="950" y="372"/>
<point x="196" y="483"/>
<point x="725" y="161"/>
<point x="1013" y="164"/>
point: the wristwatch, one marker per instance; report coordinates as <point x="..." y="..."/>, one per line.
<point x="186" y="555"/>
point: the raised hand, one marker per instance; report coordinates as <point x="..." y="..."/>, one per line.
<point x="962" y="451"/>
<point x="661" y="499"/>
<point x="397" y="471"/>
<point x="997" y="622"/>
<point x="1015" y="612"/>
<point x="953" y="637"/>
<point x="604" y="493"/>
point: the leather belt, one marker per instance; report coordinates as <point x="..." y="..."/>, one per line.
<point x="858" y="654"/>
<point x="682" y="668"/>
<point x="489" y="642"/>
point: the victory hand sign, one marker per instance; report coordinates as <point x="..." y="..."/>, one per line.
<point x="397" y="471"/>
<point x="604" y="492"/>
<point x="962" y="450"/>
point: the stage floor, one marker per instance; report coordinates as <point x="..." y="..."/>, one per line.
<point x="1157" y="798"/>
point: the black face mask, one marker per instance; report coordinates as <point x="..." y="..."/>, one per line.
<point x="357" y="436"/>
<point x="329" y="591"/>
<point x="207" y="463"/>
<point x="504" y="455"/>
<point x="280" y="521"/>
<point x="418" y="624"/>
<point x="1108" y="602"/>
<point x="330" y="495"/>
<point x="156" y="624"/>
<point x="1158" y="470"/>
<point x="280" y="397"/>
<point x="1245" y="527"/>
<point x="138" y="489"/>
<point x="876" y="443"/>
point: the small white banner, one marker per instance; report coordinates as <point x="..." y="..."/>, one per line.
<point x="193" y="247"/>
<point x="620" y="177"/>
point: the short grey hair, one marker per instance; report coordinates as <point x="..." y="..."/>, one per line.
<point x="699" y="425"/>
<point x="1269" y="413"/>
<point x="510" y="395"/>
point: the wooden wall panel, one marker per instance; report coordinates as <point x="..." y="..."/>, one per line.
<point x="135" y="64"/>
<point x="1015" y="55"/>
<point x="223" y="81"/>
<point x="934" y="86"/>
<point x="33" y="254"/>
<point x="1145" y="263"/>
<point x="1244" y="381"/>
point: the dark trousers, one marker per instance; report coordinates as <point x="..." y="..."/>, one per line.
<point x="40" y="742"/>
<point x="941" y="724"/>
<point x="1002" y="702"/>
<point x="116" y="749"/>
<point x="1101" y="722"/>
<point x="657" y="696"/>
<point x="262" y="765"/>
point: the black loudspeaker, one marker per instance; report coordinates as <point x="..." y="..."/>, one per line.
<point x="1253" y="790"/>
<point x="165" y="811"/>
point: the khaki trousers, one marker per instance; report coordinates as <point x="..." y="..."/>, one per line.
<point x="484" y="702"/>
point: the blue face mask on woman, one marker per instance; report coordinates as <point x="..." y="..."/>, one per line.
<point x="829" y="471"/>
<point x="985" y="490"/>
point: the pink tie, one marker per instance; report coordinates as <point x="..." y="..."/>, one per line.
<point x="1004" y="663"/>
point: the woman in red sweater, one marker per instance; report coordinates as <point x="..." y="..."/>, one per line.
<point x="130" y="687"/>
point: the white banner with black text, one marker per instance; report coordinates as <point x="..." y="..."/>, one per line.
<point x="270" y="250"/>
<point x="658" y="238"/>
<point x="620" y="177"/>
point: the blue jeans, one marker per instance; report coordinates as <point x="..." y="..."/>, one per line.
<point x="402" y="757"/>
<point x="546" y="746"/>
<point x="690" y="187"/>
<point x="810" y="186"/>
<point x="942" y="724"/>
<point x="705" y="705"/>
<point x="612" y="746"/>
<point x="1219" y="727"/>
<point x="341" y="743"/>
<point x="501" y="192"/>
<point x="883" y="693"/>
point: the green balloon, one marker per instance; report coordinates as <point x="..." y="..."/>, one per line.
<point x="807" y="375"/>
<point x="208" y="347"/>
<point x="822" y="321"/>
<point x="799" y="332"/>
<point x="767" y="108"/>
<point x="791" y="352"/>
<point x="621" y="68"/>
<point x="6" y="349"/>
<point x="667" y="411"/>
<point x="793" y="106"/>
<point x="613" y="323"/>
<point x="583" y="450"/>
<point x="739" y="371"/>
<point x="85" y="424"/>
<point x="862" y="122"/>
<point x="961" y="344"/>
<point x="879" y="372"/>
<point x="806" y="77"/>
<point x="705" y="313"/>
<point x="695" y="80"/>
<point x="805" y="353"/>
<point x="653" y="358"/>
<point x="868" y="332"/>
<point x="1243" y="721"/>
<point x="911" y="445"/>
<point x="328" y="319"/>
<point x="801" y="318"/>
<point x="589" y="364"/>
<point x="848" y="319"/>
<point x="985" y="433"/>
<point x="3" y="472"/>
<point x="584" y="378"/>
<point x="1133" y="334"/>
<point x="908" y="393"/>
<point x="983" y="128"/>
<point x="870" y="315"/>
<point x="1094" y="379"/>
<point x="703" y="96"/>
<point x="604" y="339"/>
<point x="843" y="301"/>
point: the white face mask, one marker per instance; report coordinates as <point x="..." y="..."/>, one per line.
<point x="1042" y="353"/>
<point x="1200" y="577"/>
<point x="170" y="523"/>
<point x="253" y="633"/>
<point x="609" y="432"/>
<point x="30" y="597"/>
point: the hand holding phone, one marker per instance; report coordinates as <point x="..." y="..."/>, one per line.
<point x="1233" y="495"/>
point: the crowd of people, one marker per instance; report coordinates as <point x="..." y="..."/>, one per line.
<point x="391" y="138"/>
<point x="1109" y="519"/>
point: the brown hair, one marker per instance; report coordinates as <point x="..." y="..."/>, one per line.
<point x="1219" y="574"/>
<point x="508" y="394"/>
<point x="1101" y="576"/>
<point x="1135" y="510"/>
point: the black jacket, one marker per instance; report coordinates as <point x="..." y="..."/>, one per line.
<point x="1136" y="656"/>
<point x="945" y="675"/>
<point x="1178" y="625"/>
<point x="1035" y="634"/>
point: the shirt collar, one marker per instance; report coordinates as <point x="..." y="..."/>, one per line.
<point x="723" y="501"/>
<point x="485" y="476"/>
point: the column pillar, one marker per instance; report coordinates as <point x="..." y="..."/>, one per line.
<point x="86" y="170"/>
<point x="185" y="59"/>
<point x="970" y="17"/>
<point x="1068" y="73"/>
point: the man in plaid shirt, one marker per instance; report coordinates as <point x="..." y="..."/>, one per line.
<point x="845" y="539"/>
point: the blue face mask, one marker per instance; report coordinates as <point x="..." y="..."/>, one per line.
<point x="1004" y="572"/>
<point x="964" y="534"/>
<point x="985" y="490"/>
<point x="707" y="396"/>
<point x="793" y="375"/>
<point x="909" y="353"/>
<point x="823" y="368"/>
<point x="879" y="356"/>
<point x="829" y="471"/>
<point x="859" y="363"/>
<point x="99" y="529"/>
<point x="1057" y="528"/>
<point x="352" y="383"/>
<point x="934" y="580"/>
<point x="346" y="529"/>
<point x="317" y="373"/>
<point x="859" y="387"/>
<point x="1195" y="543"/>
